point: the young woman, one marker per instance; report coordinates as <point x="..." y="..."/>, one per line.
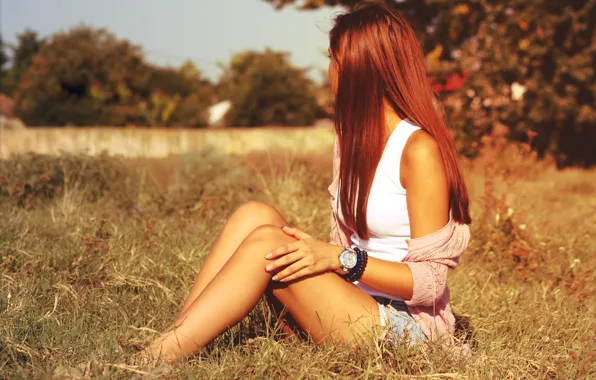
<point x="399" y="220"/>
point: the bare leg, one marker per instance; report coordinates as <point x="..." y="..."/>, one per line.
<point x="284" y="319"/>
<point x="245" y="219"/>
<point x="228" y="298"/>
<point x="239" y="285"/>
<point x="327" y="307"/>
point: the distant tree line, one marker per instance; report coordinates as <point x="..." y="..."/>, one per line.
<point x="89" y="77"/>
<point x="526" y="67"/>
<point x="529" y="65"/>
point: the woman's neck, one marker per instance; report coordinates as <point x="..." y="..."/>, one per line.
<point x="391" y="119"/>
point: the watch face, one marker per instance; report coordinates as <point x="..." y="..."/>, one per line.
<point x="348" y="259"/>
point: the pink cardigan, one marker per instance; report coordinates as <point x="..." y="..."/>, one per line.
<point x="429" y="257"/>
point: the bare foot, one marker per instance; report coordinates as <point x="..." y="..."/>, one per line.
<point x="161" y="349"/>
<point x="143" y="359"/>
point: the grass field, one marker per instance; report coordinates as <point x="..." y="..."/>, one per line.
<point x="98" y="253"/>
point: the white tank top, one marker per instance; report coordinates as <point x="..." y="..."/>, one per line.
<point x="387" y="211"/>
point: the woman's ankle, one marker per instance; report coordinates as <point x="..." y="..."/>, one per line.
<point x="166" y="348"/>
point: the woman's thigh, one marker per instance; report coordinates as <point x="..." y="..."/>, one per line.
<point x="327" y="307"/>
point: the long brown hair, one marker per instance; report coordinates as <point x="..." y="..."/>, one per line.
<point x="380" y="59"/>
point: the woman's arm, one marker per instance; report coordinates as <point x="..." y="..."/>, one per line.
<point x="424" y="178"/>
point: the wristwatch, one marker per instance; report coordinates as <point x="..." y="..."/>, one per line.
<point x="348" y="259"/>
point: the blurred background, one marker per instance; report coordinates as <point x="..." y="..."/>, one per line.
<point x="517" y="70"/>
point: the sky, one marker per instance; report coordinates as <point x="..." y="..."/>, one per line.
<point x="170" y="32"/>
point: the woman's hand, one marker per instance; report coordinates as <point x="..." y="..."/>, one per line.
<point x="304" y="257"/>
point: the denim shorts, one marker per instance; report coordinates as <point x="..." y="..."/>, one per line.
<point x="398" y="324"/>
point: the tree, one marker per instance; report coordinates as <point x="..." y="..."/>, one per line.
<point x="265" y="89"/>
<point x="529" y="66"/>
<point x="176" y="96"/>
<point x="28" y="44"/>
<point x="437" y="22"/>
<point x="192" y="108"/>
<point x="3" y="61"/>
<point x="87" y="76"/>
<point x="3" y="55"/>
<point x="313" y="4"/>
<point x="82" y="77"/>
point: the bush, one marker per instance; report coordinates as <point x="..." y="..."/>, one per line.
<point x="531" y="69"/>
<point x="29" y="180"/>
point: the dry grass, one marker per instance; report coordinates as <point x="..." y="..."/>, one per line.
<point x="97" y="254"/>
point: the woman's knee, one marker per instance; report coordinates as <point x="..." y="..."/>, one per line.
<point x="258" y="213"/>
<point x="265" y="238"/>
<point x="263" y="233"/>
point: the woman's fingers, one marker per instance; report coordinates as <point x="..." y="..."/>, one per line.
<point x="283" y="250"/>
<point x="295" y="232"/>
<point x="289" y="271"/>
<point x="283" y="261"/>
<point x="306" y="271"/>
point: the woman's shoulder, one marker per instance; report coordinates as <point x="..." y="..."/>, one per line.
<point x="421" y="146"/>
<point x="424" y="178"/>
<point x="421" y="152"/>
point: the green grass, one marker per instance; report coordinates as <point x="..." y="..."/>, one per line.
<point x="98" y="256"/>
